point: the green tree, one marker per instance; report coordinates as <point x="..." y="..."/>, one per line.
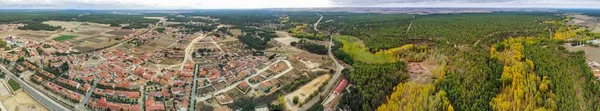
<point x="295" y="100"/>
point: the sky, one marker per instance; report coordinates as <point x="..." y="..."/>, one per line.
<point x="252" y="4"/>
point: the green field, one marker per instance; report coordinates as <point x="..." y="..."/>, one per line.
<point x="14" y="85"/>
<point x="64" y="37"/>
<point x="357" y="50"/>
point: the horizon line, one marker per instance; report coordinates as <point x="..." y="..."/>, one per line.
<point x="166" y="9"/>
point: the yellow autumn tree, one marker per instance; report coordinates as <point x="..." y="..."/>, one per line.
<point x="521" y="88"/>
<point x="412" y="96"/>
<point x="565" y="33"/>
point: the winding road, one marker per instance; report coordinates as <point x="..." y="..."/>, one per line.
<point x="331" y="82"/>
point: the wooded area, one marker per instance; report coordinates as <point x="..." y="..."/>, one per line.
<point x="373" y="83"/>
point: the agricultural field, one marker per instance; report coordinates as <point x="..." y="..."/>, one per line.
<point x="91" y="36"/>
<point x="29" y="34"/>
<point x="64" y="37"/>
<point x="88" y="36"/>
<point x="163" y="41"/>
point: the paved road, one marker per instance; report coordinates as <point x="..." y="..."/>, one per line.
<point x="90" y="91"/>
<point x="332" y="81"/>
<point x="318" y="22"/>
<point x="38" y="96"/>
<point x="194" y="87"/>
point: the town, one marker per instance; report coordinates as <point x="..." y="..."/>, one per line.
<point x="92" y="66"/>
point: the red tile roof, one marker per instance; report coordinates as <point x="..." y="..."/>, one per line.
<point x="341" y="86"/>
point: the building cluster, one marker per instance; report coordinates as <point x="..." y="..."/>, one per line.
<point x="171" y="90"/>
<point x="127" y="79"/>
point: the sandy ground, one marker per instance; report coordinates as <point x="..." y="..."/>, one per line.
<point x="591" y="53"/>
<point x="310" y="64"/>
<point x="417" y="72"/>
<point x="235" y="32"/>
<point x="305" y="91"/>
<point x="4" y="89"/>
<point x="285" y="38"/>
<point x="21" y="101"/>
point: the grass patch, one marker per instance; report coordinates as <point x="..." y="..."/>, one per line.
<point x="14" y="85"/>
<point x="64" y="37"/>
<point x="357" y="50"/>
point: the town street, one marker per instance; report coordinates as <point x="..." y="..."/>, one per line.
<point x="290" y="67"/>
<point x="48" y="102"/>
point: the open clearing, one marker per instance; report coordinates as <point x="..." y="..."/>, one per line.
<point x="418" y="73"/>
<point x="310" y="64"/>
<point x="591" y="53"/>
<point x="285" y="38"/>
<point x="357" y="50"/>
<point x="21" y="101"/>
<point x="304" y="92"/>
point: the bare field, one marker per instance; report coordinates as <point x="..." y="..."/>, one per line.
<point x="235" y="32"/>
<point x="120" y="33"/>
<point x="590" y="22"/>
<point x="27" y="34"/>
<point x="591" y="53"/>
<point x="92" y="40"/>
<point x="285" y="38"/>
<point x="4" y="89"/>
<point x="21" y="101"/>
<point x="305" y="91"/>
<point x="171" y="61"/>
<point x="418" y="73"/>
<point x="164" y="41"/>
